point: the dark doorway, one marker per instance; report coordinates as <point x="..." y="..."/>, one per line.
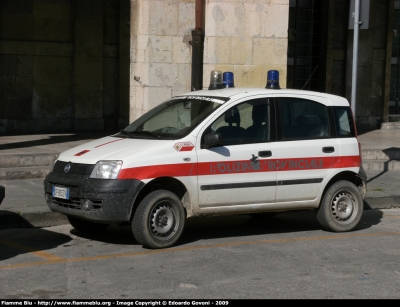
<point x="64" y="65"/>
<point x="306" y="45"/>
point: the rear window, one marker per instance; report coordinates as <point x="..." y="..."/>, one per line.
<point x="303" y="119"/>
<point x="343" y="122"/>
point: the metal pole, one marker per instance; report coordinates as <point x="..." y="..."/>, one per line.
<point x="355" y="56"/>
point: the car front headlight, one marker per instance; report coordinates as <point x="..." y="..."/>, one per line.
<point x="106" y="170"/>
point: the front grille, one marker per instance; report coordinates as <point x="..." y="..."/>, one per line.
<point x="97" y="204"/>
<point x="75" y="203"/>
<point x="76" y="168"/>
<point x="50" y="184"/>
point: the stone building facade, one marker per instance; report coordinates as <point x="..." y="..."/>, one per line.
<point x="84" y="65"/>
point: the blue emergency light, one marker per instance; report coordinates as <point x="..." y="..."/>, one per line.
<point x="273" y="80"/>
<point x="227" y="79"/>
<point x="215" y="80"/>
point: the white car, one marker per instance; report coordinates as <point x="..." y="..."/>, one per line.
<point x="216" y="152"/>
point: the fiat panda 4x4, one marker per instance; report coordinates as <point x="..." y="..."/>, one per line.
<point x="216" y="152"/>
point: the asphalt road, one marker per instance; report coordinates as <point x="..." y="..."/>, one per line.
<point x="237" y="257"/>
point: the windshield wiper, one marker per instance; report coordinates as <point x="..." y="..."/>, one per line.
<point x="141" y="132"/>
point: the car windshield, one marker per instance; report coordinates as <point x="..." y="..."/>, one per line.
<point x="173" y="119"/>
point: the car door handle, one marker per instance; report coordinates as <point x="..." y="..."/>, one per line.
<point x="265" y="154"/>
<point x="328" y="149"/>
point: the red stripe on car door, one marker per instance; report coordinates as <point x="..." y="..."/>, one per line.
<point x="237" y="167"/>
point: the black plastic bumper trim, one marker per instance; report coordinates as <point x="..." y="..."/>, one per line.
<point x="300" y="181"/>
<point x="258" y="184"/>
<point x="238" y="185"/>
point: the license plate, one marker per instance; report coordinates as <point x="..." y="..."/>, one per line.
<point x="60" y="192"/>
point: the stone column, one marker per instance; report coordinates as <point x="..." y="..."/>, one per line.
<point x="160" y="52"/>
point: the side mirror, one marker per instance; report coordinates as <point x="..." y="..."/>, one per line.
<point x="212" y="139"/>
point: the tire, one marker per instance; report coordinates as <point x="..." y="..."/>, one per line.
<point x="263" y="215"/>
<point x="86" y="226"/>
<point x="341" y="207"/>
<point x="159" y="220"/>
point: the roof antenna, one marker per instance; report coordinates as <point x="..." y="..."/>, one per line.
<point x="309" y="78"/>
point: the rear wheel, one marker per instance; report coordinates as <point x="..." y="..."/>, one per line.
<point x="159" y="220"/>
<point x="341" y="207"/>
<point x="86" y="226"/>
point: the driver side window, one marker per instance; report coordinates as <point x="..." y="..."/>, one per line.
<point x="248" y="122"/>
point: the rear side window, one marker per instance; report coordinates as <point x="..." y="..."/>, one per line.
<point x="303" y="119"/>
<point x="343" y="122"/>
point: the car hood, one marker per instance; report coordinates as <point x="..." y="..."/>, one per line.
<point x="108" y="148"/>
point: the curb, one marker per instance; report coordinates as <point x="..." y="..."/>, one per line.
<point x="384" y="202"/>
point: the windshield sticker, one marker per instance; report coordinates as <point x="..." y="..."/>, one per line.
<point x="205" y="98"/>
<point x="184" y="146"/>
<point x="81" y="153"/>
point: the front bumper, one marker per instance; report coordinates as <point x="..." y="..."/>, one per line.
<point x="106" y="200"/>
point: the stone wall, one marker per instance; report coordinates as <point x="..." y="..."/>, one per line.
<point x="248" y="38"/>
<point x="73" y="65"/>
<point x="64" y="65"/>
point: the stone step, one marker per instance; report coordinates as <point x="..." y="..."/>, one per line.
<point x="24" y="172"/>
<point x="381" y="165"/>
<point x="395" y="124"/>
<point x="26" y="166"/>
<point x="27" y="160"/>
<point x="385" y="154"/>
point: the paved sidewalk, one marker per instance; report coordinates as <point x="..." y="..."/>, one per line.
<point x="24" y="204"/>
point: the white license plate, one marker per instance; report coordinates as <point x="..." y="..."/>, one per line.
<point x="60" y="192"/>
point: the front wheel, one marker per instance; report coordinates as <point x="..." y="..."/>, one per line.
<point x="341" y="207"/>
<point x="159" y="220"/>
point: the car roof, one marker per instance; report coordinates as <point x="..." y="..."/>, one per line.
<point x="238" y="93"/>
